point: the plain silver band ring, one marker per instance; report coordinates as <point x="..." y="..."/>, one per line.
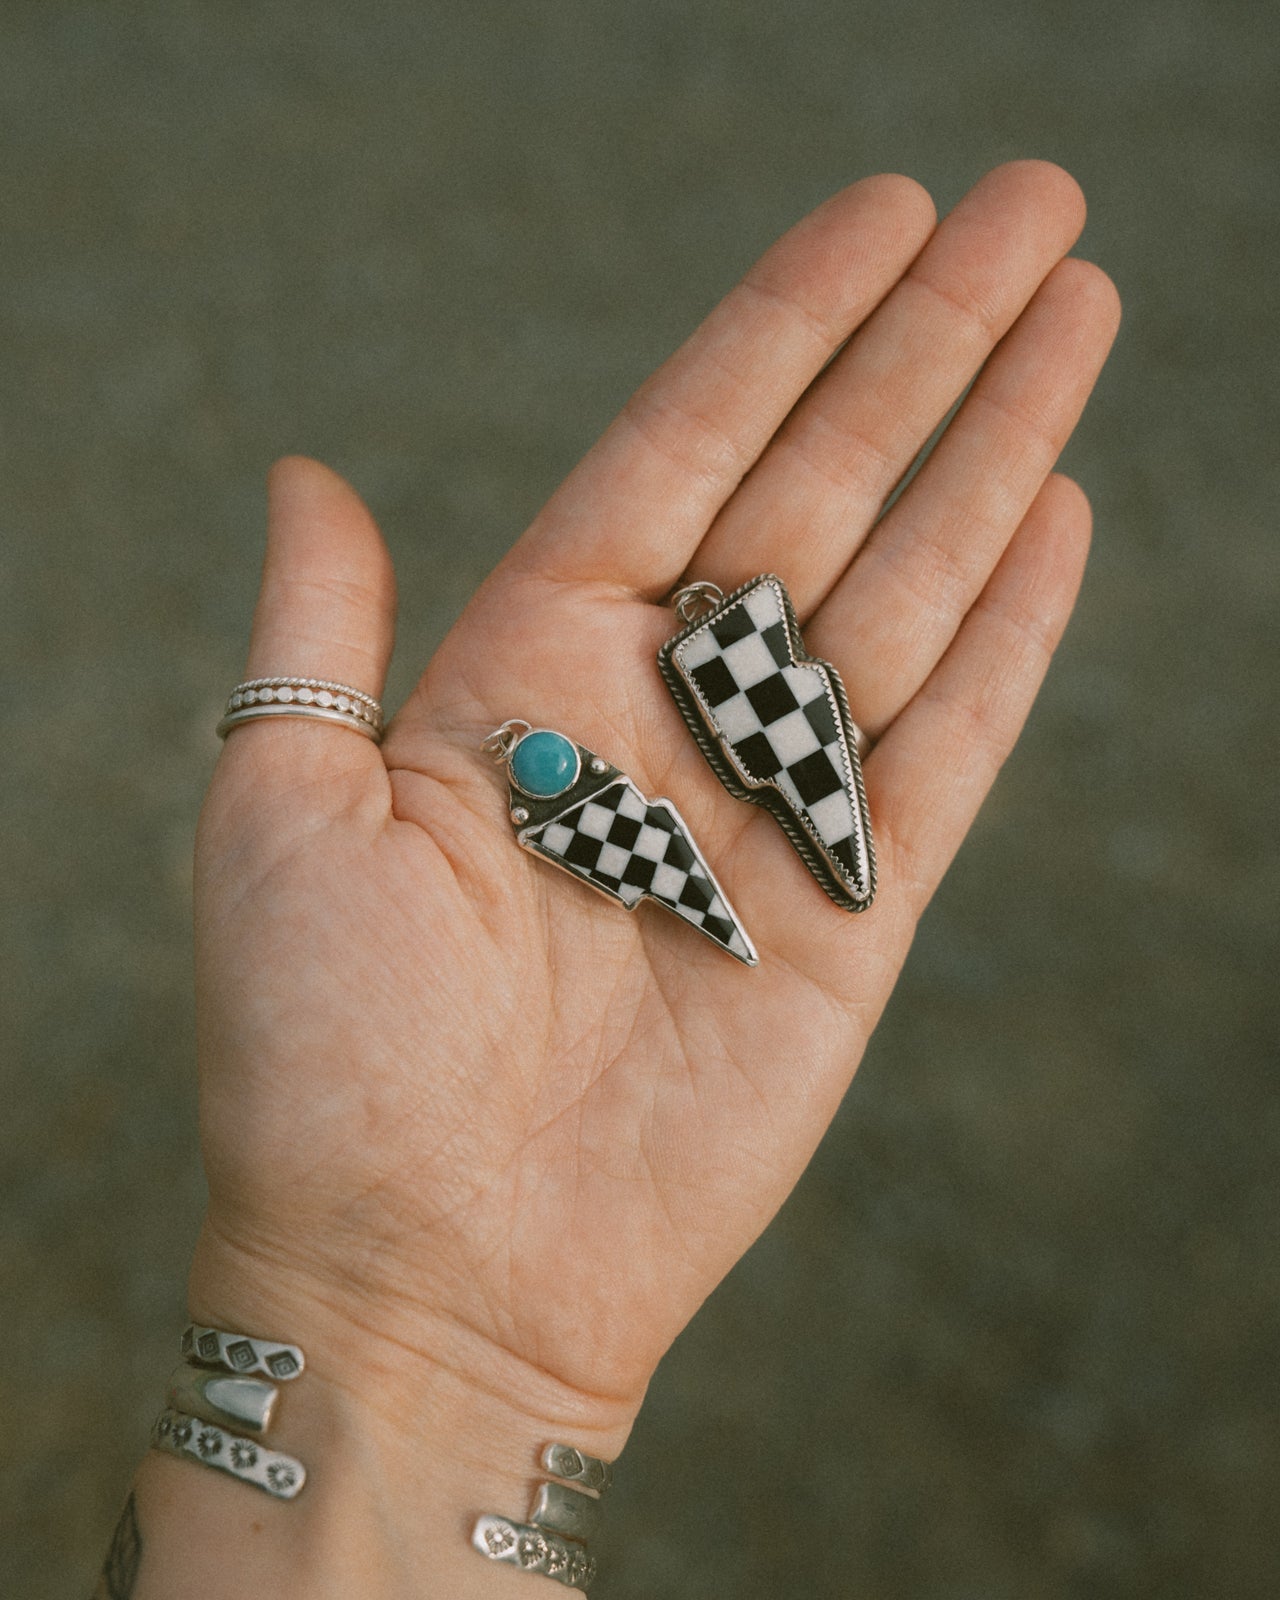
<point x="344" y="719"/>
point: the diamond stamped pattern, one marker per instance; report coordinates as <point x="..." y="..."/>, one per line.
<point x="779" y="721"/>
<point x="241" y="1354"/>
<point x="632" y="847"/>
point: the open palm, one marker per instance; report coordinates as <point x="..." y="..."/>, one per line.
<point x="471" y="1106"/>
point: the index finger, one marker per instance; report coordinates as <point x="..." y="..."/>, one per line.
<point x="634" y="510"/>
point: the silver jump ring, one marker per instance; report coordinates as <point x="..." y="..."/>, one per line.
<point x="502" y="741"/>
<point x="319" y="698"/>
<point x="696" y="600"/>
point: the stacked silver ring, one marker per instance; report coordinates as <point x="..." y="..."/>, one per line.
<point x="564" y="1516"/>
<point x="204" y="1407"/>
<point x="303" y="697"/>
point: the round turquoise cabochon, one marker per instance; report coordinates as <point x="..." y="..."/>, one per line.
<point x="544" y="763"/>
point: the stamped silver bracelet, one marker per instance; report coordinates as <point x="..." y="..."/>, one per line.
<point x="224" y="1384"/>
<point x="553" y="1542"/>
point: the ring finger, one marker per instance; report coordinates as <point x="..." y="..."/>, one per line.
<point x="895" y="611"/>
<point x="807" y="504"/>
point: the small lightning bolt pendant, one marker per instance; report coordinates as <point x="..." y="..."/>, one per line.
<point x="774" y="723"/>
<point x="574" y="809"/>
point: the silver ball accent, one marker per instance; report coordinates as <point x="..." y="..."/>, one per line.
<point x="519" y="815"/>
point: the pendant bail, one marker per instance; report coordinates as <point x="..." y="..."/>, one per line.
<point x="695" y="600"/>
<point x="502" y="741"/>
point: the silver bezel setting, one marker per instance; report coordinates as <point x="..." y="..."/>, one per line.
<point x="555" y="733"/>
<point x="827" y="872"/>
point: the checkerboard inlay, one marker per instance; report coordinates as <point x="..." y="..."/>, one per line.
<point x="779" y="721"/>
<point x="633" y="848"/>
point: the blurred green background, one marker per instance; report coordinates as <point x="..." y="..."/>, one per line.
<point x="1015" y="1334"/>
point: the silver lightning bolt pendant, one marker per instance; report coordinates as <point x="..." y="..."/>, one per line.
<point x="572" y="808"/>
<point x="774" y="723"/>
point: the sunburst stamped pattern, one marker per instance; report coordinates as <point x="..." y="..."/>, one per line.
<point x="534" y="1550"/>
<point x="775" y="725"/>
<point x="178" y="1434"/>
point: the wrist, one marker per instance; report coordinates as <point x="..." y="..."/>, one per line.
<point x="407" y="1435"/>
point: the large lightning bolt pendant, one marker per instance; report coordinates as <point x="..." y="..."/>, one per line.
<point x="574" y="809"/>
<point x="774" y="723"/>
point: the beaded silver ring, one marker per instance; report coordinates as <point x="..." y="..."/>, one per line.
<point x="320" y="698"/>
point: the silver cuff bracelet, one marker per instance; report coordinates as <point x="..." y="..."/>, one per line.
<point x="216" y="1390"/>
<point x="554" y="1540"/>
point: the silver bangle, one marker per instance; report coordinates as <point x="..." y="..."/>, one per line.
<point x="216" y="1386"/>
<point x="553" y="1542"/>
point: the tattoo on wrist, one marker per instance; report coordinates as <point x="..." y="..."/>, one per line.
<point x="120" y="1569"/>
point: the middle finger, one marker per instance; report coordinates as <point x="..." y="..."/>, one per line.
<point x="807" y="505"/>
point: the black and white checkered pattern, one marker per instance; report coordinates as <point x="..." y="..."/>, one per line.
<point x="634" y="848"/>
<point x="780" y="721"/>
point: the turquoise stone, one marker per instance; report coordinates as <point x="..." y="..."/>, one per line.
<point x="544" y="763"/>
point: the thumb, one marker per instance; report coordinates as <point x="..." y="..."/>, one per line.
<point x="326" y="610"/>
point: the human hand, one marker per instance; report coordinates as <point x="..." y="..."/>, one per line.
<point x="458" y="1111"/>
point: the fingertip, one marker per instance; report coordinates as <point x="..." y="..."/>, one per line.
<point x="1069" y="506"/>
<point x="296" y="477"/>
<point x="902" y="196"/>
<point x="1048" y="180"/>
<point x="327" y="603"/>
<point x="307" y="500"/>
<point x="1052" y="548"/>
<point x="285" y="467"/>
<point x="866" y="234"/>
<point x="1094" y="287"/>
<point x="887" y="217"/>
<point x="1044" y="186"/>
